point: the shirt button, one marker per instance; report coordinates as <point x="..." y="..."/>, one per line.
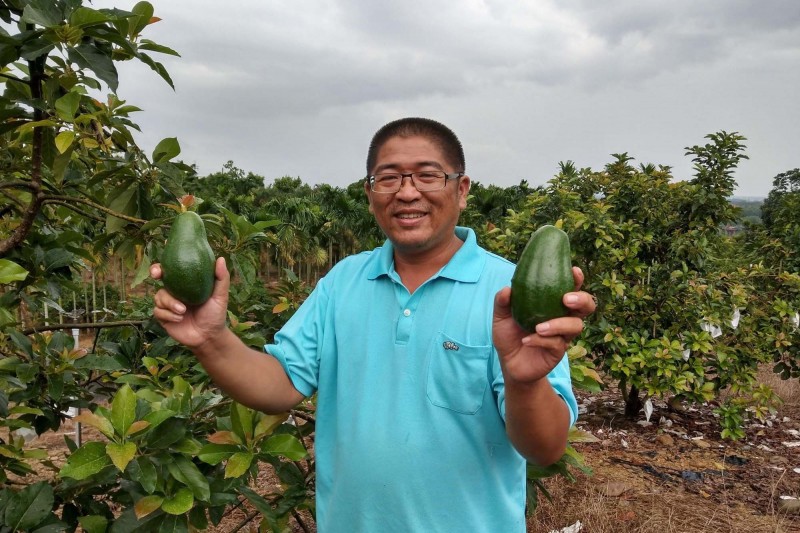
<point x="407" y="312"/>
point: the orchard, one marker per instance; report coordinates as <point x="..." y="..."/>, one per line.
<point x="686" y="312"/>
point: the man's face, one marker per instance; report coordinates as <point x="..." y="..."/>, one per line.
<point x="417" y="222"/>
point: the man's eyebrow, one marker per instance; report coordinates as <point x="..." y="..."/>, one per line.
<point x="419" y="164"/>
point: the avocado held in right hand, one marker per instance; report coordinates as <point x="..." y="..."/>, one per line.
<point x="187" y="263"/>
<point x="541" y="278"/>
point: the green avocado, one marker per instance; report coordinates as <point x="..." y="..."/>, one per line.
<point x="541" y="278"/>
<point x="187" y="264"/>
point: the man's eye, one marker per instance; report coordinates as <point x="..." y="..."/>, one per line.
<point x="428" y="176"/>
<point x="387" y="178"/>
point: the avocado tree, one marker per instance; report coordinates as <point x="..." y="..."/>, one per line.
<point x="770" y="253"/>
<point x="76" y="190"/>
<point x="672" y="320"/>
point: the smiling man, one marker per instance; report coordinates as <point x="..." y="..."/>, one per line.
<point x="430" y="398"/>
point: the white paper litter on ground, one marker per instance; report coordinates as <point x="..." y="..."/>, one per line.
<point x="577" y="527"/>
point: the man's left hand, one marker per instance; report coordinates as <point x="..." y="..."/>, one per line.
<point x="527" y="357"/>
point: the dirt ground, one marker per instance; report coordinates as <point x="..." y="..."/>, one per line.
<point x="677" y="475"/>
<point x="671" y="475"/>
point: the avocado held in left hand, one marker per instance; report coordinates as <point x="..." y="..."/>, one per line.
<point x="187" y="264"/>
<point x="541" y="278"/>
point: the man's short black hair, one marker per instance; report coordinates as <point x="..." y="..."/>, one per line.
<point x="436" y="132"/>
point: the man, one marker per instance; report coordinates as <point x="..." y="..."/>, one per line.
<point x="429" y="396"/>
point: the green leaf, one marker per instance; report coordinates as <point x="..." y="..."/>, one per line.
<point x="144" y="12"/>
<point x="242" y="422"/>
<point x="88" y="460"/>
<point x="143" y="272"/>
<point x="167" y="433"/>
<point x="93" y="523"/>
<point x="268" y="423"/>
<point x="29" y="507"/>
<point x="185" y="471"/>
<point x="144" y="471"/>
<point x="121" y="454"/>
<point x="42" y="12"/>
<point x="262" y="506"/>
<point x="158" y="417"/>
<point x="91" y="58"/>
<point x="180" y="503"/>
<point x="36" y="48"/>
<point x="288" y="446"/>
<point x="147" y="44"/>
<point x="214" y="454"/>
<point x="64" y="141"/>
<point x="10" y="271"/>
<point x="166" y="150"/>
<point x="156" y="66"/>
<point x="67" y="106"/>
<point x="85" y="16"/>
<point x="125" y="204"/>
<point x="238" y="464"/>
<point x="174" y="524"/>
<point x="123" y="409"/>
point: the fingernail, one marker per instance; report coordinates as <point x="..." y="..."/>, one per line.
<point x="543" y="327"/>
<point x="572" y="298"/>
<point x="179" y="308"/>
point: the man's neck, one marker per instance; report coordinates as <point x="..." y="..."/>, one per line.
<point x="416" y="269"/>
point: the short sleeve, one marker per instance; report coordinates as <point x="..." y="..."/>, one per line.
<point x="296" y="345"/>
<point x="559" y="379"/>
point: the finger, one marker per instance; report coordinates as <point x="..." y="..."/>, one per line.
<point x="165" y="315"/>
<point x="568" y="326"/>
<point x="167" y="302"/>
<point x="223" y="283"/>
<point x="577" y="274"/>
<point x="556" y="345"/>
<point x="581" y="303"/>
<point x="155" y="271"/>
<point x="502" y="303"/>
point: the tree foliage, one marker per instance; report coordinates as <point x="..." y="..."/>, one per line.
<point x="680" y="314"/>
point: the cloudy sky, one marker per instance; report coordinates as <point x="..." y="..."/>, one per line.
<point x="298" y="87"/>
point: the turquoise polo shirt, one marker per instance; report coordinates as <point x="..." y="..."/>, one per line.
<point x="410" y="433"/>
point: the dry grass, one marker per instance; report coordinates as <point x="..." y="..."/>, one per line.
<point x="787" y="389"/>
<point x="649" y="511"/>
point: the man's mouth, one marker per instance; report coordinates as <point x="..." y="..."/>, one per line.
<point x="410" y="215"/>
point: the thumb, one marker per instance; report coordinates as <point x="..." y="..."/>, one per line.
<point x="502" y="303"/>
<point x="223" y="283"/>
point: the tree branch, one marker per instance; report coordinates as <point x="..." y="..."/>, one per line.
<point x="85" y="325"/>
<point x="19" y="184"/>
<point x="73" y="208"/>
<point x="10" y="77"/>
<point x="36" y="72"/>
<point x="13" y="200"/>
<point x="61" y="199"/>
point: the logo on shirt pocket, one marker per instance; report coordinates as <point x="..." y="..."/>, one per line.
<point x="458" y="375"/>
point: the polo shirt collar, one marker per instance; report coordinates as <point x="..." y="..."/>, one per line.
<point x="465" y="266"/>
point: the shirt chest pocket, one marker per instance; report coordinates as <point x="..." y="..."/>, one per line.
<point x="458" y="374"/>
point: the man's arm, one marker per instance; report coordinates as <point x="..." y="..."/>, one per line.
<point x="250" y="377"/>
<point x="537" y="418"/>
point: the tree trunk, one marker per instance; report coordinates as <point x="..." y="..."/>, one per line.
<point x="633" y="404"/>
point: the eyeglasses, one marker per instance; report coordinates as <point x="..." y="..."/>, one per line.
<point x="425" y="181"/>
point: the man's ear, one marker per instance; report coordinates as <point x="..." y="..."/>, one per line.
<point x="367" y="191"/>
<point x="464" y="184"/>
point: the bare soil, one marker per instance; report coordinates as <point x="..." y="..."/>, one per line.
<point x="676" y="474"/>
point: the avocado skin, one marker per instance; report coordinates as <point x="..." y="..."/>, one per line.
<point x="187" y="263"/>
<point x="541" y="278"/>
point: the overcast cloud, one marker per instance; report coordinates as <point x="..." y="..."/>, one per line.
<point x="298" y="87"/>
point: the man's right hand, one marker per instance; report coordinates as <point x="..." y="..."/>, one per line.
<point x="194" y="326"/>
